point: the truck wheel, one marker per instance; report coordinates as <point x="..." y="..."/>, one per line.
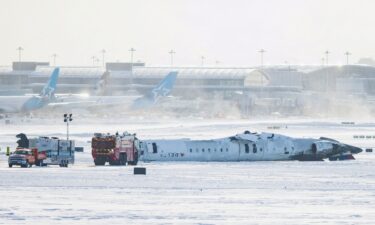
<point x="10" y="165"/>
<point x="112" y="162"/>
<point x="123" y="159"/>
<point x="99" y="162"/>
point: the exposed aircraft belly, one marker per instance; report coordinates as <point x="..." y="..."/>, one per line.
<point x="245" y="147"/>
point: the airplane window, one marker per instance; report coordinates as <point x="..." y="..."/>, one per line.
<point x="202" y="149"/>
<point x="154" y="148"/>
<point x="227" y="149"/>
<point x="215" y="150"/>
<point x="191" y="150"/>
<point x="209" y="150"/>
<point x="261" y="149"/>
<point x="221" y="150"/>
<point x="254" y="148"/>
<point x="247" y="148"/>
<point x="197" y="150"/>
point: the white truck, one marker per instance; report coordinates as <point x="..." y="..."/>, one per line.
<point x="43" y="151"/>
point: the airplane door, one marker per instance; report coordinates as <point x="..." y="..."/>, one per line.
<point x="244" y="151"/>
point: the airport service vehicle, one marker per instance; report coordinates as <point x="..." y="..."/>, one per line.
<point x="247" y="147"/>
<point x="115" y="149"/>
<point x="26" y="157"/>
<point x="43" y="151"/>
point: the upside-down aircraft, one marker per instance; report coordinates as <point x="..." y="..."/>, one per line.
<point x="247" y="147"/>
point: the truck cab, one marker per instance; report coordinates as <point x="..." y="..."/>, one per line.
<point x="25" y="157"/>
<point x="117" y="149"/>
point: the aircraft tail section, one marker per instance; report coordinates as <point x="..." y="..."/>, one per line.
<point x="49" y="89"/>
<point x="163" y="89"/>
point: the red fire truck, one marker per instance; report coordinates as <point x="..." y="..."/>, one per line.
<point x="118" y="149"/>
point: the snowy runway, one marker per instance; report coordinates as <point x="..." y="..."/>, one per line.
<point x="191" y="193"/>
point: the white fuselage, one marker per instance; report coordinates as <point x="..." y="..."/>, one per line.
<point x="246" y="147"/>
<point x="12" y="104"/>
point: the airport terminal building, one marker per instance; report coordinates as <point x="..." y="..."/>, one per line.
<point x="272" y="85"/>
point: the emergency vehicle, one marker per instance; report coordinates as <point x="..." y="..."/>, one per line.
<point x="117" y="149"/>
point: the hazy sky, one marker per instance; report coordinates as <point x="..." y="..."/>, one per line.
<point x="230" y="31"/>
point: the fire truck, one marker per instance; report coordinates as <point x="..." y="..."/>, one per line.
<point x="42" y="151"/>
<point x="117" y="149"/>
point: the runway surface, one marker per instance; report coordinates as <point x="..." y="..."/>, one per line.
<point x="289" y="192"/>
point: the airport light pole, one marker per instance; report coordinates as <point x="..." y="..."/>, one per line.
<point x="93" y="60"/>
<point x="261" y="51"/>
<point x="67" y="119"/>
<point x="54" y="55"/>
<point x="19" y="49"/>
<point x="327" y="53"/>
<point x="103" y="51"/>
<point x="171" y="53"/>
<point x="347" y="57"/>
<point x="132" y="50"/>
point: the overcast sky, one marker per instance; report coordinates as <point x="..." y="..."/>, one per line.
<point x="228" y="31"/>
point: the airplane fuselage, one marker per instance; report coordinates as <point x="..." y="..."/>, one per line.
<point x="243" y="147"/>
<point x="19" y="104"/>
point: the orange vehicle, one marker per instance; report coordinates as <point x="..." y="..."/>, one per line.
<point x="25" y="157"/>
<point x="115" y="149"/>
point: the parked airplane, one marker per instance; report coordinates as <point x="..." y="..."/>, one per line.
<point x="163" y="89"/>
<point x="15" y="104"/>
<point x="247" y="147"/>
<point x="132" y="102"/>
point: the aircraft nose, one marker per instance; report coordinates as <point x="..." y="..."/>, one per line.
<point x="353" y="149"/>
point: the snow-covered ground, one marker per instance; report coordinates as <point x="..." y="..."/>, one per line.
<point x="190" y="193"/>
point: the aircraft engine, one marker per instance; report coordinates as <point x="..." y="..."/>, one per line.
<point x="322" y="147"/>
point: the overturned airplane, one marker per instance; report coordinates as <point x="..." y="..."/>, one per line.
<point x="247" y="147"/>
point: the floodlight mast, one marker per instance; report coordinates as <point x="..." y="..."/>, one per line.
<point x="171" y="53"/>
<point x="103" y="51"/>
<point x="347" y="57"/>
<point x="327" y="53"/>
<point x="54" y="55"/>
<point x="67" y="119"/>
<point x="132" y="50"/>
<point x="19" y="49"/>
<point x="261" y="51"/>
